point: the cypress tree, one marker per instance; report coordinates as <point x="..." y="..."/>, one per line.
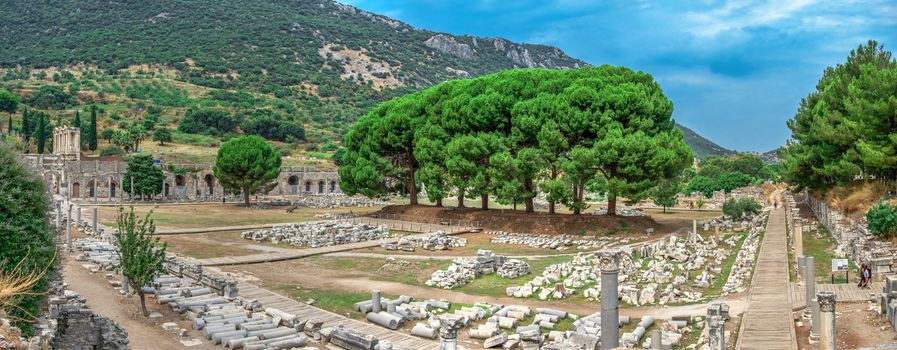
<point x="41" y="133"/>
<point x="77" y="122"/>
<point x="26" y="129"/>
<point x="92" y="131"/>
<point x="9" y="125"/>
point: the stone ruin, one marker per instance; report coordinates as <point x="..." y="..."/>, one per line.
<point x="621" y="211"/>
<point x="436" y="241"/>
<point x="556" y="242"/>
<point x="319" y="234"/>
<point x="464" y="269"/>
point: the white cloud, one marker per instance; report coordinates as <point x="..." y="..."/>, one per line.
<point x="737" y="15"/>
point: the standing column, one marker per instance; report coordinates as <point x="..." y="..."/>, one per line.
<point x="109" y="188"/>
<point x="58" y="217"/>
<point x="95" y="221"/>
<point x="131" y="194"/>
<point x="656" y="339"/>
<point x="694" y="231"/>
<point x="68" y="229"/>
<point x="815" y="322"/>
<point x="448" y="332"/>
<point x="78" y="216"/>
<point x="827" y="329"/>
<point x="717" y="332"/>
<point x="375" y="301"/>
<point x="609" y="261"/>
<point x="809" y="283"/>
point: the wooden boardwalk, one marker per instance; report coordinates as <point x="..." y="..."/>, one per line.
<point x="846" y="292"/>
<point x="767" y="324"/>
<point x="303" y="311"/>
<point x="306" y="252"/>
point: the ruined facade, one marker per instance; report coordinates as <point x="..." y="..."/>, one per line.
<point x="101" y="179"/>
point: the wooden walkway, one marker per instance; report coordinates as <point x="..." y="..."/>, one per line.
<point x="306" y="252"/>
<point x="846" y="292"/>
<point x="303" y="311"/>
<point x="767" y="324"/>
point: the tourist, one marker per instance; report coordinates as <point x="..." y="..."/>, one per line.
<point x="867" y="275"/>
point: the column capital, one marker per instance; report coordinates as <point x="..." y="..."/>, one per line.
<point x="609" y="260"/>
<point x="449" y="327"/>
<point x="826" y="301"/>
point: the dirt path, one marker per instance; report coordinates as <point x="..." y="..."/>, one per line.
<point x="106" y="301"/>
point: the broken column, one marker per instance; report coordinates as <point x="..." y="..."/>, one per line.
<point x="609" y="262"/>
<point x="58" y="217"/>
<point x="656" y="339"/>
<point x="78" y="216"/>
<point x="694" y="231"/>
<point x="68" y="229"/>
<point x="815" y="322"/>
<point x="827" y="326"/>
<point x="809" y="283"/>
<point x="448" y="332"/>
<point x="375" y="301"/>
<point x="95" y="221"/>
<point x="716" y="332"/>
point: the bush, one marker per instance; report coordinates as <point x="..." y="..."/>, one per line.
<point x="738" y="209"/>
<point x="882" y="220"/>
<point x="51" y="97"/>
<point x="270" y="126"/>
<point x="208" y="122"/>
<point x="26" y="239"/>
<point x="111" y="150"/>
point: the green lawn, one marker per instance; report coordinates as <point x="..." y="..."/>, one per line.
<point x="821" y="246"/>
<point x="494" y="286"/>
<point x="335" y="300"/>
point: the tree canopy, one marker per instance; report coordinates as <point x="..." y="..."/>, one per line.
<point x="9" y="102"/>
<point x="247" y="164"/>
<point x="846" y="128"/>
<point x="147" y="177"/>
<point x="511" y="134"/>
<point x="25" y="234"/>
<point x="141" y="256"/>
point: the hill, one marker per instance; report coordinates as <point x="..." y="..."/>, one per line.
<point x="701" y="146"/>
<point x="317" y="62"/>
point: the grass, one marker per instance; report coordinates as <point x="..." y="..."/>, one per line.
<point x="336" y="301"/>
<point x="821" y="246"/>
<point x="494" y="286"/>
<point x="716" y="288"/>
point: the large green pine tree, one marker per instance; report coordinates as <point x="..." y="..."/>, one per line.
<point x="147" y="177"/>
<point x="247" y="164"/>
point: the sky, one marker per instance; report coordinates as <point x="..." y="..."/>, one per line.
<point x="735" y="70"/>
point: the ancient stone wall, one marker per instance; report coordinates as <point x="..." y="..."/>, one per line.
<point x="79" y="328"/>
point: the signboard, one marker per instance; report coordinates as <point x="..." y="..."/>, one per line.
<point x="839" y="265"/>
<point x="157" y="162"/>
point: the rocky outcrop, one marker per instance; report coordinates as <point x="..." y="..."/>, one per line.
<point x="449" y="45"/>
<point x="520" y="55"/>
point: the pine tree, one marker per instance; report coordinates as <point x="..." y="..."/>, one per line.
<point x="92" y="131"/>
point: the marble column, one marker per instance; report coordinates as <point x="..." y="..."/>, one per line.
<point x="827" y="327"/>
<point x="375" y="301"/>
<point x="68" y="229"/>
<point x="716" y="332"/>
<point x="656" y="339"/>
<point x="448" y="332"/>
<point x="815" y="321"/>
<point x="95" y="221"/>
<point x="809" y="283"/>
<point x="609" y="261"/>
<point x="58" y="217"/>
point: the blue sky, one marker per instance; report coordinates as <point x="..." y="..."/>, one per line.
<point x="734" y="69"/>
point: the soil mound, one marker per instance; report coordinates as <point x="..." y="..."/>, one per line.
<point x="519" y="221"/>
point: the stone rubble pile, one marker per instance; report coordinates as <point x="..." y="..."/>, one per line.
<point x="559" y="281"/>
<point x="318" y="234"/>
<point x="743" y="267"/>
<point x="557" y="242"/>
<point x="630" y="212"/>
<point x="101" y="254"/>
<point x="514" y="268"/>
<point x="331" y="201"/>
<point x="436" y="241"/>
<point x="464" y="269"/>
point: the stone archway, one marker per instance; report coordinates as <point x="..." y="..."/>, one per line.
<point x="92" y="189"/>
<point x="321" y="186"/>
<point x="210" y="183"/>
<point x="180" y="186"/>
<point x="308" y="186"/>
<point x="293" y="182"/>
<point x="113" y="188"/>
<point x="76" y="190"/>
<point x="332" y="186"/>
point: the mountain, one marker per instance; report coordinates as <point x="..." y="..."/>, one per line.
<point x="322" y="62"/>
<point x="334" y="58"/>
<point x="701" y="146"/>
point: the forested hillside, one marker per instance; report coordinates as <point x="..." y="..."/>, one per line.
<point x="292" y="71"/>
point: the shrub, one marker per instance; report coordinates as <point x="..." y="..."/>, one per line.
<point x="111" y="150"/>
<point x="882" y="220"/>
<point x="51" y="97"/>
<point x="208" y="121"/>
<point x="738" y="209"/>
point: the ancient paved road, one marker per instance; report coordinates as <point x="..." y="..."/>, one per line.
<point x="302" y="253"/>
<point x="330" y="319"/>
<point x="767" y="324"/>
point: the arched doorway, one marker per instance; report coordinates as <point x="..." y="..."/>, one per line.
<point x="308" y="186"/>
<point x="332" y="186"/>
<point x="112" y="189"/>
<point x="165" y="189"/>
<point x="180" y="185"/>
<point x="321" y="186"/>
<point x="92" y="188"/>
<point x="76" y="190"/>
<point x="293" y="182"/>
<point x="210" y="183"/>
